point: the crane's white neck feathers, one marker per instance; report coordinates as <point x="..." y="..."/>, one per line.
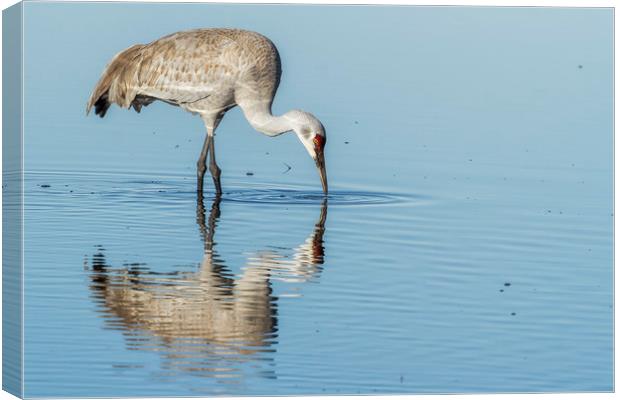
<point x="260" y="117"/>
<point x="304" y="124"/>
<point x="263" y="121"/>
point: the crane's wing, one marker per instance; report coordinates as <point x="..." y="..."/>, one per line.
<point x="181" y="71"/>
<point x="177" y="69"/>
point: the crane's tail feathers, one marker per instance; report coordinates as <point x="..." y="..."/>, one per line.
<point x="102" y="105"/>
<point x="118" y="83"/>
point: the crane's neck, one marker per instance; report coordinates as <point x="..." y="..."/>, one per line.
<point x="260" y="117"/>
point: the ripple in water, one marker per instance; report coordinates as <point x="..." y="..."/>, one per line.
<point x="310" y="197"/>
<point x="166" y="189"/>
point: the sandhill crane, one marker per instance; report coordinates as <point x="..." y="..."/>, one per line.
<point x="208" y="72"/>
<point x="205" y="317"/>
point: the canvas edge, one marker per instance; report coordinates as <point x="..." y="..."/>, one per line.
<point x="12" y="200"/>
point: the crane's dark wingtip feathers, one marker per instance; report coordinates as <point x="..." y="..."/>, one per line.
<point x="101" y="106"/>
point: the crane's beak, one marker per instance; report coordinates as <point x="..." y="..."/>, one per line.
<point x="320" y="164"/>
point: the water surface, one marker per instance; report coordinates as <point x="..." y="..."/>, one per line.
<point x="466" y="244"/>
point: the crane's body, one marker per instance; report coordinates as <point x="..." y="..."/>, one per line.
<point x="208" y="72"/>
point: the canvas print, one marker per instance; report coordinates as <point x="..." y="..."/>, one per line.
<point x="269" y="199"/>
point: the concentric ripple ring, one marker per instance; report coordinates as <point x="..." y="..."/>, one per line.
<point x="313" y="197"/>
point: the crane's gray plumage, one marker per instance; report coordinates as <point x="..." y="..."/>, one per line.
<point x="208" y="72"/>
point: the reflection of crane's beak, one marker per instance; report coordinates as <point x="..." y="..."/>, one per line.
<point x="320" y="164"/>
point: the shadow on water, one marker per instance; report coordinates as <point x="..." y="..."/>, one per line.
<point x="205" y="322"/>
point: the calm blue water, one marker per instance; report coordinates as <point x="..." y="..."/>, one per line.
<point x="466" y="245"/>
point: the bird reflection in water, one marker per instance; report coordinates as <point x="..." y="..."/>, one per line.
<point x="206" y="322"/>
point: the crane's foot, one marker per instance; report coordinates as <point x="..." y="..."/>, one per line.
<point x="216" y="172"/>
<point x="218" y="187"/>
<point x="201" y="168"/>
<point x="199" y="184"/>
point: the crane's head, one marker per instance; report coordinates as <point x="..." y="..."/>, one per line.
<point x="311" y="133"/>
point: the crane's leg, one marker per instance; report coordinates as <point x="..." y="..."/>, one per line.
<point x="202" y="163"/>
<point x="215" y="170"/>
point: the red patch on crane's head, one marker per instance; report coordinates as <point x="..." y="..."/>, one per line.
<point x="319" y="143"/>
